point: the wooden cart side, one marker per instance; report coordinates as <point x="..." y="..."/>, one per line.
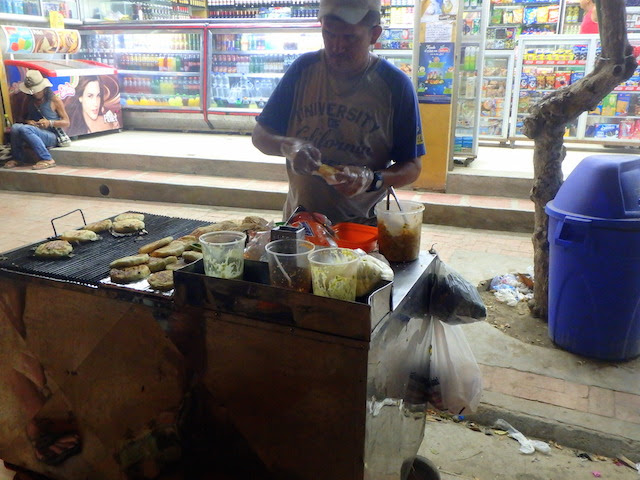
<point x="298" y="397"/>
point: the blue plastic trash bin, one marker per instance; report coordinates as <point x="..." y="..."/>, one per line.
<point x="594" y="259"/>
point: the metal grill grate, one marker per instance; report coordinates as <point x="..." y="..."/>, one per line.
<point x="90" y="262"/>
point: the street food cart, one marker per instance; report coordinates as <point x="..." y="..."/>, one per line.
<point x="262" y="382"/>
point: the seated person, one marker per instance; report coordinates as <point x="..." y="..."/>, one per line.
<point x="43" y="111"/>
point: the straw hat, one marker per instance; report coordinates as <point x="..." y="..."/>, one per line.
<point x="34" y="82"/>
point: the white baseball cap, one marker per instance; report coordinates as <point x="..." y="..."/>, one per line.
<point x="351" y="11"/>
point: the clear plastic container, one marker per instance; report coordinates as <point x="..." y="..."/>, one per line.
<point x="223" y="254"/>
<point x="289" y="264"/>
<point x="334" y="273"/>
<point x="399" y="230"/>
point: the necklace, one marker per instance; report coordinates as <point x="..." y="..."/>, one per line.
<point x="346" y="86"/>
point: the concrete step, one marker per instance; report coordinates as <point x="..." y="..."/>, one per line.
<point x="247" y="188"/>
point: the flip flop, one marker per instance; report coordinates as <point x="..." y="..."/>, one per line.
<point x="55" y="448"/>
<point x="12" y="164"/>
<point x="42" y="164"/>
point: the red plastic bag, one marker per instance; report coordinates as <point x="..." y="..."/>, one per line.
<point x="317" y="228"/>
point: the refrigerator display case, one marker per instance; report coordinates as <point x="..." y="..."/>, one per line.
<point x="160" y="71"/>
<point x="510" y="19"/>
<point x="572" y="16"/>
<point x="143" y="10"/>
<point x="469" y="79"/>
<point x="246" y="63"/>
<point x="496" y="94"/>
<point x="545" y="65"/>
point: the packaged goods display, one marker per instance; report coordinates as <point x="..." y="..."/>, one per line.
<point x="617" y="117"/>
<point x="510" y="19"/>
<point x="548" y="65"/>
<point x="545" y="69"/>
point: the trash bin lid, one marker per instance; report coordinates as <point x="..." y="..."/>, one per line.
<point x="603" y="188"/>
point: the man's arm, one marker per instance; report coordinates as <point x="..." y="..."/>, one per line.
<point x="301" y="156"/>
<point x="401" y="174"/>
<point x="268" y="141"/>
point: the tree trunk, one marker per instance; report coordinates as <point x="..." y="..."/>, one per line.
<point x="546" y="124"/>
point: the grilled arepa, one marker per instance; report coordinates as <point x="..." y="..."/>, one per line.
<point x="129" y="215"/>
<point x="150" y="247"/>
<point x="162" y="280"/>
<point x="129" y="274"/>
<point x="101" y="226"/>
<point x="79" y="236"/>
<point x="130" y="261"/>
<point x="128" y="225"/>
<point x="54" y="249"/>
<point x="175" y="248"/>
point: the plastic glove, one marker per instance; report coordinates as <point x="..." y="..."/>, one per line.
<point x="303" y="157"/>
<point x="352" y="180"/>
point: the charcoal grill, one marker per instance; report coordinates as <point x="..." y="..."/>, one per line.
<point x="89" y="264"/>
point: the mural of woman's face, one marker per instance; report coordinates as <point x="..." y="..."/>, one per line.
<point x="91" y="100"/>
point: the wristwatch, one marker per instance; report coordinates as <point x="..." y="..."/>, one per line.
<point x="376" y="183"/>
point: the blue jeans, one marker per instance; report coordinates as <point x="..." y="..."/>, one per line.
<point x="36" y="138"/>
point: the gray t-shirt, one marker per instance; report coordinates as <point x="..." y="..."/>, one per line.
<point x="370" y="121"/>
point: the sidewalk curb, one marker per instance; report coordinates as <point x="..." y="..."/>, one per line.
<point x="568" y="435"/>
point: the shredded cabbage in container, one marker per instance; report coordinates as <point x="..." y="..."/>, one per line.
<point x="327" y="284"/>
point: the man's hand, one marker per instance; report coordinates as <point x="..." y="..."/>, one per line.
<point x="43" y="123"/>
<point x="352" y="180"/>
<point x="303" y="156"/>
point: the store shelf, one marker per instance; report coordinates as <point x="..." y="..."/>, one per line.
<point x="158" y="73"/>
<point x="551" y="63"/>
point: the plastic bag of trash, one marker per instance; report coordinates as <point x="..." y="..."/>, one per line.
<point x="455" y="381"/>
<point x="512" y="288"/>
<point x="527" y="446"/>
<point x="452" y="298"/>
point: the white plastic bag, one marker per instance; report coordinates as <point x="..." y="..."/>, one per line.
<point x="454" y="376"/>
